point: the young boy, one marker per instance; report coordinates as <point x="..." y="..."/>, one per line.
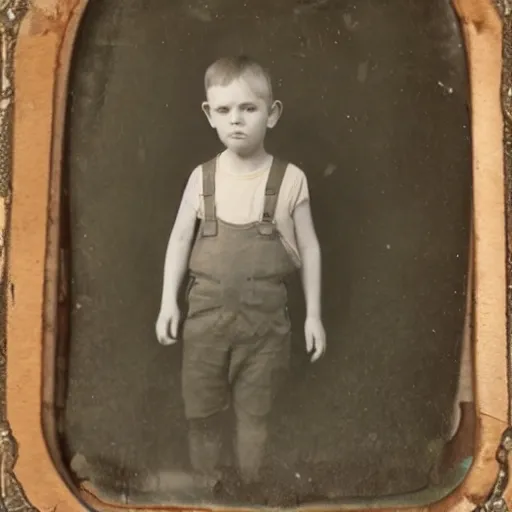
<point x="255" y="229"/>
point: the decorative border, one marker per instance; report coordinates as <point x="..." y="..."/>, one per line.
<point x="495" y="501"/>
<point x="12" y="12"/>
<point x="12" y="497"/>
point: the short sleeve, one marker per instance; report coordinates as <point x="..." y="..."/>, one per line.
<point x="192" y="192"/>
<point x="299" y="190"/>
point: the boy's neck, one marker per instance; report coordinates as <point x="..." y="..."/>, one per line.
<point x="245" y="164"/>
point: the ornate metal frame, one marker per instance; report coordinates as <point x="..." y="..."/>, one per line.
<point x="12" y="12"/>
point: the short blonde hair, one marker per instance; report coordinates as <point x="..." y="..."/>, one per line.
<point x="226" y="69"/>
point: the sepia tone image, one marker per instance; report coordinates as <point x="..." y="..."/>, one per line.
<point x="266" y="223"/>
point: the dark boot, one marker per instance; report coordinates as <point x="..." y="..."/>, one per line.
<point x="204" y="450"/>
<point x="250" y="443"/>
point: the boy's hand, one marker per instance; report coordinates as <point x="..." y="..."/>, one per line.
<point x="167" y="326"/>
<point x="315" y="337"/>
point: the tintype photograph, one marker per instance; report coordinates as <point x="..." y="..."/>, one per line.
<point x="266" y="224"/>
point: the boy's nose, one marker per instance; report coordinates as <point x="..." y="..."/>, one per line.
<point x="236" y="117"/>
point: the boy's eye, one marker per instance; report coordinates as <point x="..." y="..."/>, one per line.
<point x="222" y="110"/>
<point x="250" y="108"/>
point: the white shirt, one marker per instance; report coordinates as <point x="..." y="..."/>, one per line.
<point x="239" y="199"/>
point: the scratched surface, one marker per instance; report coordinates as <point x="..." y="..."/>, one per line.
<point x="375" y="99"/>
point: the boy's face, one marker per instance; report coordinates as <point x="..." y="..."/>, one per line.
<point x="240" y="115"/>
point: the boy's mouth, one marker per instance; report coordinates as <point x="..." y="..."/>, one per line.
<point x="237" y="135"/>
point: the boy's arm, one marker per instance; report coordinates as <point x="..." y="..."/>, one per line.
<point x="310" y="254"/>
<point x="177" y="254"/>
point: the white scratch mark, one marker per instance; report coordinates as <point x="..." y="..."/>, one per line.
<point x="329" y="169"/>
<point x="448" y="89"/>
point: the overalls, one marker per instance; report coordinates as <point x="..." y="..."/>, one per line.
<point x="237" y="331"/>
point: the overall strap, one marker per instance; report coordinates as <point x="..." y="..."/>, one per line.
<point x="209" y="225"/>
<point x="274" y="181"/>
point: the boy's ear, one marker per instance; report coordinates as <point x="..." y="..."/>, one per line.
<point x="275" y="113"/>
<point x="205" y="106"/>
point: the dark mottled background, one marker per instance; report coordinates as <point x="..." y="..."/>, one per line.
<point x="375" y="96"/>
